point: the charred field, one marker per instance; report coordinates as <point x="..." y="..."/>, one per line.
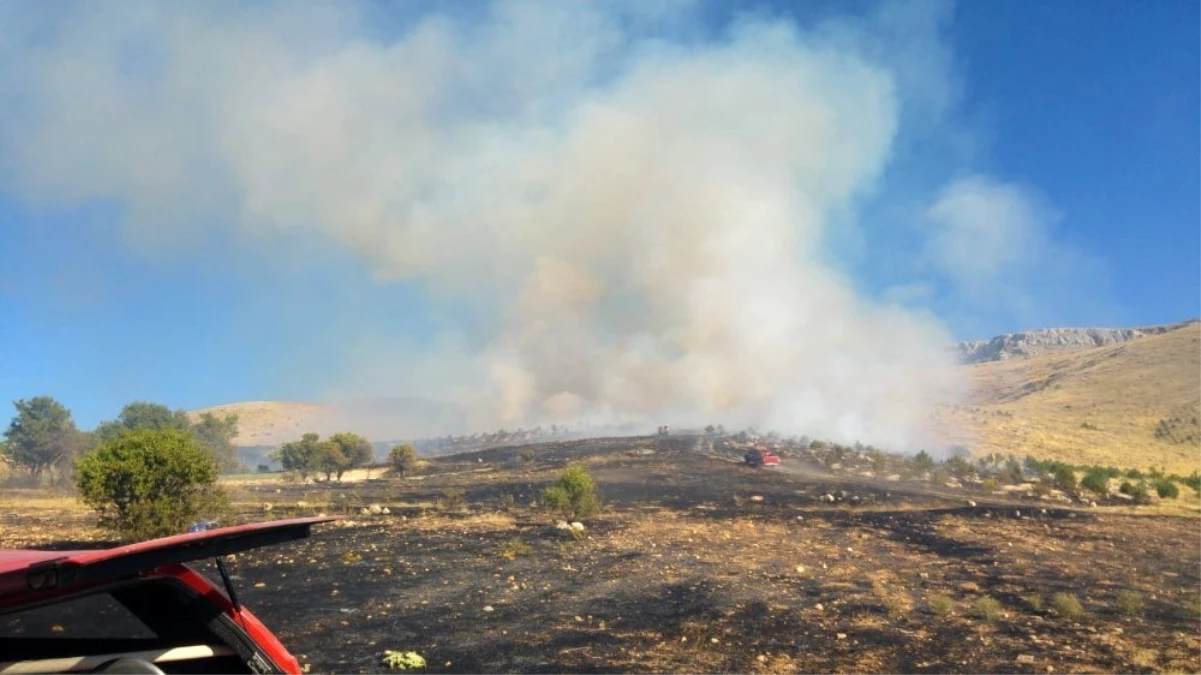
<point x="701" y="564"/>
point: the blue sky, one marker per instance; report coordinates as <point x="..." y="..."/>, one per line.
<point x="1089" y="108"/>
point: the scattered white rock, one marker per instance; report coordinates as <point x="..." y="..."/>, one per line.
<point x="267" y="506"/>
<point x="577" y="526"/>
<point x="819" y="607"/>
<point x="756" y="498"/>
<point x="487" y="608"/>
<point x="971" y="504"/>
<point x="842" y="636"/>
<point x="386" y="511"/>
<point x="376" y="509"/>
<point x="365" y="511"/>
<point x="800" y="569"/>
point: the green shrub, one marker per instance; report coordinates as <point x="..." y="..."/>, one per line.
<point x="1130" y="603"/>
<point x="1134" y="474"/>
<point x="1137" y="490"/>
<point x="923" y="461"/>
<point x="514" y="548"/>
<point x="1096" y="481"/>
<point x="1066" y="606"/>
<point x="150" y="483"/>
<point x="1065" y="478"/>
<point x="452" y="499"/>
<point x="1193" y="480"/>
<point x="1166" y="489"/>
<point x="574" y="495"/>
<point x="402" y="458"/>
<point x="1035" y="600"/>
<point x="987" y="609"/>
<point x="941" y="604"/>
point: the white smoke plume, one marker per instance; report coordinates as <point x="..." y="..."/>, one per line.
<point x="637" y="223"/>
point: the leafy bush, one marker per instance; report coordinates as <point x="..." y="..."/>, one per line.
<point x="1130" y="603"/>
<point x="923" y="461"/>
<point x="402" y="458"/>
<point x="987" y="608"/>
<point x="1166" y="489"/>
<point x="574" y="495"/>
<point x="1096" y="481"/>
<point x="941" y="604"/>
<point x="1193" y="480"/>
<point x="1137" y="490"/>
<point x="1065" y="478"/>
<point x="150" y="483"/>
<point x="1134" y="474"/>
<point x="1066" y="606"/>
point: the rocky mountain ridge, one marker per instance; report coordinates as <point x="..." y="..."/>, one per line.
<point x="1029" y="343"/>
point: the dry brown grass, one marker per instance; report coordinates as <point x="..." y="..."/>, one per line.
<point x="266" y="422"/>
<point x="1048" y="406"/>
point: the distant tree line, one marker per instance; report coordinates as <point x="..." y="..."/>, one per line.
<point x="311" y="456"/>
<point x="43" y="442"/>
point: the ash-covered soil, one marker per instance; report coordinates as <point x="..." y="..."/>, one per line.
<point x="701" y="564"/>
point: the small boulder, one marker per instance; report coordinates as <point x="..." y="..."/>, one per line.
<point x="577" y="526"/>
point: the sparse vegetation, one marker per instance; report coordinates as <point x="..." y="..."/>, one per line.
<point x="514" y="548"/>
<point x="1066" y="606"/>
<point x="1035" y="600"/>
<point x="941" y="604"/>
<point x="574" y="495"/>
<point x="987" y="609"/>
<point x="1130" y="603"/>
<point x="452" y="499"/>
<point x="1192" y="606"/>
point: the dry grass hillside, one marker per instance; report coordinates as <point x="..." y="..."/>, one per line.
<point x="273" y="422"/>
<point x="1135" y="404"/>
<point x="267" y="422"/>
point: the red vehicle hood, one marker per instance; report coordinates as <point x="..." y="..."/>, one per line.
<point x="24" y="571"/>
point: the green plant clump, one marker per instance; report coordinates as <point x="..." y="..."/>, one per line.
<point x="941" y="604"/>
<point x="574" y="495"/>
<point x="1130" y="603"/>
<point x="150" y="483"/>
<point x="1066" y="606"/>
<point x="397" y="660"/>
<point x="1166" y="489"/>
<point x="988" y="609"/>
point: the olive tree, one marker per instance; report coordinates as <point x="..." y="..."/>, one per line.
<point x="402" y="458"/>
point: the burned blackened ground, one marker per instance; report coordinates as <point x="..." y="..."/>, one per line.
<point x="701" y="564"/>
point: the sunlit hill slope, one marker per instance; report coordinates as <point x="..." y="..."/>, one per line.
<point x="1133" y="404"/>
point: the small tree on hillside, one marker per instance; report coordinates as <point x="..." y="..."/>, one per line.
<point x="402" y="458"/>
<point x="574" y="495"/>
<point x="147" y="483"/>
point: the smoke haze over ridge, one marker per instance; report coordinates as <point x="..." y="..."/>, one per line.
<point x="633" y="216"/>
